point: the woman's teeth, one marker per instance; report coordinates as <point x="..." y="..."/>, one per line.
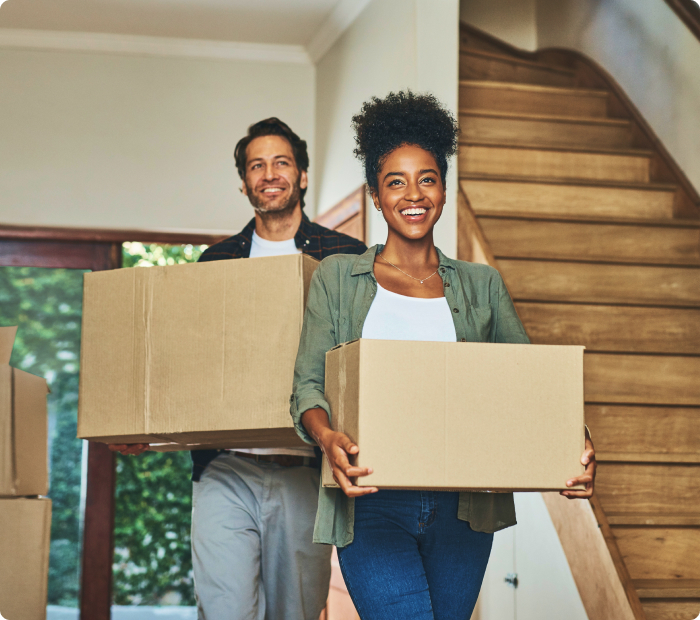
<point x="414" y="211"/>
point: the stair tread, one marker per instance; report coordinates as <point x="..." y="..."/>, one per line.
<point x="598" y="150"/>
<point x="593" y="219"/>
<point x="647" y="457"/>
<point x="666" y="187"/>
<point x="519" y="61"/>
<point x="637" y="518"/>
<point x="555" y="90"/>
<point x="552" y="118"/>
<point x="667" y="588"/>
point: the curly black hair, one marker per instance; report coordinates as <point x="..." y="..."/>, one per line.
<point x="399" y="119"/>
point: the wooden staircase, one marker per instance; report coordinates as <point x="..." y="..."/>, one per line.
<point x="597" y="234"/>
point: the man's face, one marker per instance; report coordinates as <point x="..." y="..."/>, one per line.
<point x="272" y="181"/>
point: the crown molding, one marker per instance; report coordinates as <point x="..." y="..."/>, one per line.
<point x="128" y="44"/>
<point x="342" y="16"/>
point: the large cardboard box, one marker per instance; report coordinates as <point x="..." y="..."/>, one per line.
<point x="25" y="532"/>
<point x="23" y="426"/>
<point x="198" y="355"/>
<point x="459" y="416"/>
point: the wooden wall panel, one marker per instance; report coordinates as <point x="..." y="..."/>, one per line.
<point x="649" y="488"/>
<point x="640" y="430"/>
<point x="637" y="379"/>
<point x="613" y="328"/>
<point x="602" y="284"/>
<point x="659" y="552"/>
<point x="522" y="238"/>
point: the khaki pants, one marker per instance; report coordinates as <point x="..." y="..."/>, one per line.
<point x="252" y="549"/>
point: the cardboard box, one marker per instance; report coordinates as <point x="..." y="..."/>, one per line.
<point x="198" y="355"/>
<point x="25" y="533"/>
<point x="459" y="416"/>
<point x="23" y="426"/>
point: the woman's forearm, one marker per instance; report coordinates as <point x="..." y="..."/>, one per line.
<point x="316" y="423"/>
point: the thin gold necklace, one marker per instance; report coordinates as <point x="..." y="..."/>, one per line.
<point x="408" y="274"/>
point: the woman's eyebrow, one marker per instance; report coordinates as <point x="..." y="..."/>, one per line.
<point x="428" y="170"/>
<point x="394" y="174"/>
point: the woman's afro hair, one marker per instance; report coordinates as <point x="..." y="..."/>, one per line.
<point x="399" y="119"/>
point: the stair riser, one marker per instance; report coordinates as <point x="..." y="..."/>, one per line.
<point x="499" y="99"/>
<point x="474" y="67"/>
<point x="556" y="164"/>
<point x="648" y="489"/>
<point x="671" y="610"/>
<point x="613" y="328"/>
<point x="660" y="553"/>
<point x="652" y="430"/>
<point x="487" y="197"/>
<point x="518" y="238"/>
<point x="544" y="132"/>
<point x="601" y="284"/>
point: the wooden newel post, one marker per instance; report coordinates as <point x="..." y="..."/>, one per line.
<point x="98" y="534"/>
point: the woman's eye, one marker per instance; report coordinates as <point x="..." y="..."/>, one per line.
<point x="395" y="182"/>
<point x="428" y="180"/>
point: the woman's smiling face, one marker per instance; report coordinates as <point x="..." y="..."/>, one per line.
<point x="410" y="192"/>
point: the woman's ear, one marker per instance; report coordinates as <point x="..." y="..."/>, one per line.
<point x="375" y="200"/>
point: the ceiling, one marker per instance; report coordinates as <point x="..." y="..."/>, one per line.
<point x="291" y="22"/>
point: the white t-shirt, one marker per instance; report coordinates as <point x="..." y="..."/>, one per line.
<point x="263" y="247"/>
<point x="397" y="317"/>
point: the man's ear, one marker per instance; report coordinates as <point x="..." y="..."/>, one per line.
<point x="244" y="188"/>
<point x="303" y="180"/>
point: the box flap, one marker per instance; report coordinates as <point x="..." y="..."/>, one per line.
<point x="7" y="341"/>
<point x="6" y="451"/>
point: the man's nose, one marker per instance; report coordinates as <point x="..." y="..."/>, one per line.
<point x="270" y="172"/>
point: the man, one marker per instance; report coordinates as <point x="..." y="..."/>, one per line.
<point x="254" y="510"/>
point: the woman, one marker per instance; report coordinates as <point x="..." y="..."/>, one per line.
<point x="404" y="554"/>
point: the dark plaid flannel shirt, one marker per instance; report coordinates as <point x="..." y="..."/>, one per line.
<point x="311" y="239"/>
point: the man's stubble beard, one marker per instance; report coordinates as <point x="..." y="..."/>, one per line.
<point x="279" y="212"/>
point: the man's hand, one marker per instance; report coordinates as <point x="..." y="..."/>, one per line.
<point x="129" y="448"/>
<point x="338" y="448"/>
<point x="588" y="476"/>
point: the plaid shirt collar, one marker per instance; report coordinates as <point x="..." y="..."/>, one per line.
<point x="307" y="238"/>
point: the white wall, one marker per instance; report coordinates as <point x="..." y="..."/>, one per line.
<point x="392" y="45"/>
<point x="513" y="21"/>
<point x="117" y="141"/>
<point x="546" y="587"/>
<point x="651" y="54"/>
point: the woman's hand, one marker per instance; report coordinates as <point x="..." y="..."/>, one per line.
<point x="338" y="448"/>
<point x="129" y="448"/>
<point x="588" y="476"/>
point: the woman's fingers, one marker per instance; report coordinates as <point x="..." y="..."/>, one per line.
<point x="343" y="471"/>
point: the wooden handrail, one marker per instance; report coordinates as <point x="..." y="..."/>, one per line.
<point x="689" y="13"/>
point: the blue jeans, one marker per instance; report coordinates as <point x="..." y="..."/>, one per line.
<point x="412" y="558"/>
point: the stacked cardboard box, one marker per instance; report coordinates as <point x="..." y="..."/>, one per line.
<point x="25" y="518"/>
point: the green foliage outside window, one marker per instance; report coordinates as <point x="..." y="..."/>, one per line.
<point x="153" y="563"/>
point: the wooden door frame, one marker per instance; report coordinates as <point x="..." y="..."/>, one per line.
<point x="97" y="250"/>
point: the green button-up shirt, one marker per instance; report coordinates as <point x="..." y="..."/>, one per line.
<point x="341" y="292"/>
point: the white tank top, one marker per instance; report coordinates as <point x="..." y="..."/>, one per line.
<point x="397" y="317"/>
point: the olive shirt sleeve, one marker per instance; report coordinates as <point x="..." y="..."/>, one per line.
<point x="318" y="336"/>
<point x="507" y="325"/>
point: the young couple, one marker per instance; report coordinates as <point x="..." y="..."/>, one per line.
<point x="404" y="554"/>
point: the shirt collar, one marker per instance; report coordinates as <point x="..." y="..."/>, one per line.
<point x="365" y="262"/>
<point x="301" y="238"/>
